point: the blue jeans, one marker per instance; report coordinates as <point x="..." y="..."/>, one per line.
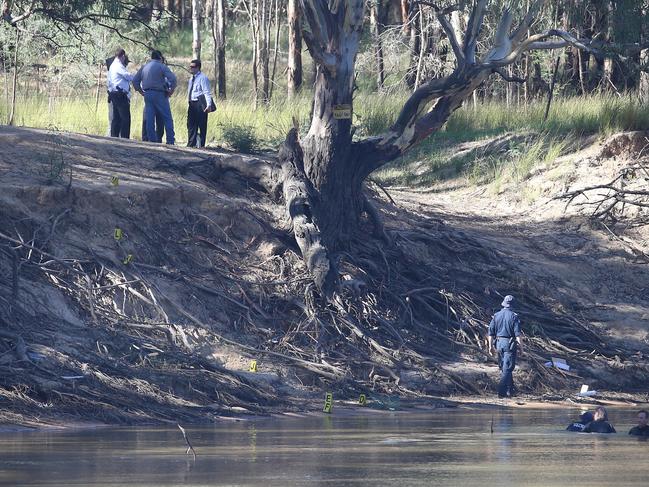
<point x="506" y="362"/>
<point x="156" y="103"/>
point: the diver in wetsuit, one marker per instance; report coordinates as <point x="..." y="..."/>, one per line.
<point x="600" y="424"/>
<point x="579" y="426"/>
<point x="643" y="428"/>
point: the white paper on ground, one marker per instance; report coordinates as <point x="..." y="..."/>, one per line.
<point x="560" y="363"/>
<point x="587" y="393"/>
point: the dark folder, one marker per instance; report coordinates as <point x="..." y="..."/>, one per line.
<point x="203" y="101"/>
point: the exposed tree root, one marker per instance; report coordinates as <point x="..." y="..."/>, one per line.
<point x="139" y="341"/>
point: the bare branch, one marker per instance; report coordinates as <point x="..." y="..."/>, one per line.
<point x="6" y="13"/>
<point x="439" y="11"/>
<point x="537" y="41"/>
<point x="521" y="30"/>
<point x="508" y="78"/>
<point x="448" y="28"/>
<point x="473" y="30"/>
<point x="503" y="44"/>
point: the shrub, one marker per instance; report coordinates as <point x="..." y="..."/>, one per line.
<point x="241" y="138"/>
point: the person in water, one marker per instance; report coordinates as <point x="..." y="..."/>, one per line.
<point x="643" y="428"/>
<point x="580" y="425"/>
<point x="600" y="423"/>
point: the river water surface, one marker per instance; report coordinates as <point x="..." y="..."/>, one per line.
<point x="451" y="447"/>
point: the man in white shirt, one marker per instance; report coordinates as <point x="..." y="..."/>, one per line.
<point x="199" y="97"/>
<point x="119" y="94"/>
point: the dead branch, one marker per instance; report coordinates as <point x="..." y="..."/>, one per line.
<point x="189" y="445"/>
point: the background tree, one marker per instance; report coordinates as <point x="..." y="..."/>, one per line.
<point x="294" y="72"/>
<point x="263" y="14"/>
<point x="218" y="35"/>
<point x="196" y="29"/>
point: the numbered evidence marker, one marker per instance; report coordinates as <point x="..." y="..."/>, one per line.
<point x="362" y="400"/>
<point x="118" y="234"/>
<point x="128" y="259"/>
<point x="114" y="181"/>
<point x="329" y="400"/>
<point x="253" y="366"/>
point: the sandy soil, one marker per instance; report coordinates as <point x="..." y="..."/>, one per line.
<point x="581" y="264"/>
<point x="90" y="337"/>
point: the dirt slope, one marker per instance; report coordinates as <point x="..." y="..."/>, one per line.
<point x="161" y="323"/>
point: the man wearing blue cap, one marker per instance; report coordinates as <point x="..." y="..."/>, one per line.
<point x="505" y="333"/>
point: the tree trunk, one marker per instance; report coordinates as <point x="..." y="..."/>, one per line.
<point x="422" y="48"/>
<point x="260" y="14"/>
<point x="376" y="16"/>
<point x="15" y="80"/>
<point x="253" y="15"/>
<point x="264" y="51"/>
<point x="294" y="48"/>
<point x="196" y="29"/>
<point x="179" y="10"/>
<point x="218" y="34"/>
<point x="327" y="156"/>
<point x="405" y="17"/>
<point x="101" y="68"/>
<point x="278" y="26"/>
<point x="415" y="46"/>
<point x="330" y="162"/>
<point x="644" y="77"/>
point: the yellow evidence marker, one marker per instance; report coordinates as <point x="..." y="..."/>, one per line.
<point x="118" y="234"/>
<point x="253" y="366"/>
<point x="114" y="181"/>
<point x="362" y="400"/>
<point x="128" y="259"/>
<point x="329" y="400"/>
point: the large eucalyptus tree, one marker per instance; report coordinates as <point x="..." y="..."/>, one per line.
<point x="324" y="172"/>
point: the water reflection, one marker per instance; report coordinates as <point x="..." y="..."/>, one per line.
<point x="444" y="447"/>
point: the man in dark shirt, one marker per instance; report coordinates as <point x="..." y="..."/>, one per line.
<point x="505" y="334"/>
<point x="600" y="424"/>
<point x="642" y="429"/>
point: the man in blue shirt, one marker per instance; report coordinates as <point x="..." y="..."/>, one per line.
<point x="199" y="97"/>
<point x="505" y="334"/>
<point x="157" y="83"/>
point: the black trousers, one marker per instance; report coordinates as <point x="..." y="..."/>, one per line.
<point x="120" y="125"/>
<point x="196" y="125"/>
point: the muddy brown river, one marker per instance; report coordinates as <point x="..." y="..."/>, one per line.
<point x="451" y="447"/>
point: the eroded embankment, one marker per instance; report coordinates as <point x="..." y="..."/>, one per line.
<point x="144" y="298"/>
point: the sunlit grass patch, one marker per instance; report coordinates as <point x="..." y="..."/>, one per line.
<point x="436" y="159"/>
